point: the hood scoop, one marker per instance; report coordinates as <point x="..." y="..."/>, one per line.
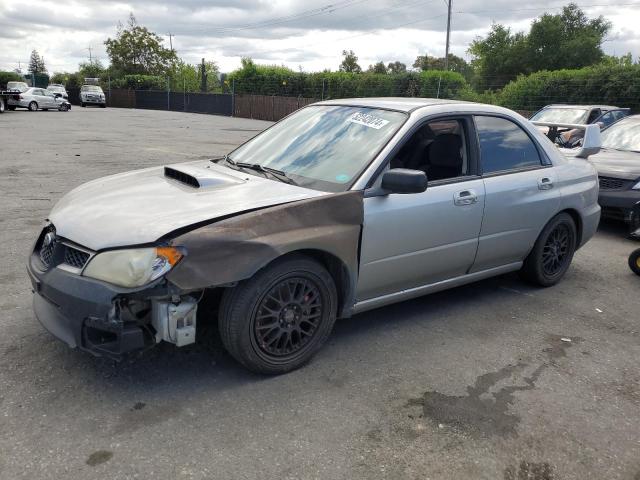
<point x="198" y="177"/>
<point x="181" y="177"/>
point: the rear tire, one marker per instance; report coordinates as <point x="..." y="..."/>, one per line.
<point x="82" y="104"/>
<point x="634" y="261"/>
<point x="11" y="107"/>
<point x="33" y="106"/>
<point x="2" y="107"/>
<point x="277" y="320"/>
<point x="552" y="253"/>
<point x="103" y="105"/>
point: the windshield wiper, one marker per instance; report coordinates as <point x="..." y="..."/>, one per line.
<point x="278" y="174"/>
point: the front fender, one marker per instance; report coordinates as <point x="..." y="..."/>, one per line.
<point x="234" y="249"/>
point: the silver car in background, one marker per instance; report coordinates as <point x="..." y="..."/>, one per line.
<point x="58" y="90"/>
<point x="341" y="207"/>
<point x="38" y="99"/>
<point x="92" y="95"/>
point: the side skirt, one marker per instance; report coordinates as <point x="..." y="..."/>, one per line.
<point x="402" y="295"/>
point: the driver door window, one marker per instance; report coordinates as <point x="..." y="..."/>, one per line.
<point x="438" y="148"/>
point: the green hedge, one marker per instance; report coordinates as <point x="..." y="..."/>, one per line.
<point x="266" y="80"/>
<point x="9" y="77"/>
<point x="615" y="85"/>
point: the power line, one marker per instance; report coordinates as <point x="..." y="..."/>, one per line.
<point x="326" y="9"/>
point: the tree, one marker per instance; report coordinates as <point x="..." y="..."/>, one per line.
<point x="425" y="62"/>
<point x="498" y="58"/>
<point x="91" y="69"/>
<point x="36" y="63"/>
<point x="377" y="68"/>
<point x="350" y="62"/>
<point x="396" y="67"/>
<point x="136" y="50"/>
<point x="567" y="40"/>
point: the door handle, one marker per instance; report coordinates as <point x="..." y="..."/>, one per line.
<point x="465" y="197"/>
<point x="545" y="183"/>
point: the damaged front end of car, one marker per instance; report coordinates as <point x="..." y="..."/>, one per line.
<point x="102" y="317"/>
<point x="122" y="300"/>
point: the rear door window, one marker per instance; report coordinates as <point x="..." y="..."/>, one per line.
<point x="504" y="146"/>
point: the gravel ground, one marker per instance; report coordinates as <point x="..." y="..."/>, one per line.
<point x="470" y="383"/>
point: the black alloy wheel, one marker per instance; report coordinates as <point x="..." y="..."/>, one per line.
<point x="555" y="252"/>
<point x="552" y="253"/>
<point x="287" y="317"/>
<point x="278" y="319"/>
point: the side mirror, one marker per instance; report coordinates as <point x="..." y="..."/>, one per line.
<point x="600" y="124"/>
<point x="403" y="180"/>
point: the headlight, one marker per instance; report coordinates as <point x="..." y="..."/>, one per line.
<point x="636" y="186"/>
<point x="133" y="267"/>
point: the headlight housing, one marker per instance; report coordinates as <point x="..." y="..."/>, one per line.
<point x="132" y="267"/>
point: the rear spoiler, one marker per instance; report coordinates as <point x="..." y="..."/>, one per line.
<point x="591" y="141"/>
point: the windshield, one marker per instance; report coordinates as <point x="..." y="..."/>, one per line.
<point x="323" y="147"/>
<point x="17" y="86"/>
<point x="623" y="135"/>
<point x="55" y="88"/>
<point x="91" y="88"/>
<point x="561" y="115"/>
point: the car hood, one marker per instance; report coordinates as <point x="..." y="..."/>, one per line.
<point x="617" y="164"/>
<point x="141" y="206"/>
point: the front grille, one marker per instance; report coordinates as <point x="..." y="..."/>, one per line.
<point x="47" y="246"/>
<point x="74" y="257"/>
<point x="607" y="183"/>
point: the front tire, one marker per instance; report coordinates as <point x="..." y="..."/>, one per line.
<point x="2" y="105"/>
<point x="277" y="320"/>
<point x="552" y="253"/>
<point x="11" y="107"/>
<point x="634" y="261"/>
<point x="33" y="106"/>
<point x="82" y="104"/>
<point x="63" y="108"/>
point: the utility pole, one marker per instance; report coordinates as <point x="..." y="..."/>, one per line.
<point x="171" y="35"/>
<point x="90" y="58"/>
<point x="446" y="54"/>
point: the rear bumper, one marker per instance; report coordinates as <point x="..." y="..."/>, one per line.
<point x="618" y="204"/>
<point x="86" y="313"/>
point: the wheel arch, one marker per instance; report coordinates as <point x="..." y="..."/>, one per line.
<point x="342" y="276"/>
<point x="579" y="222"/>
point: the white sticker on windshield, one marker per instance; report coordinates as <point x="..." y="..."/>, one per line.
<point x="368" y="120"/>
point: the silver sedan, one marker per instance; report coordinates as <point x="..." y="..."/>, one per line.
<point x="38" y="99"/>
<point x="342" y="207"/>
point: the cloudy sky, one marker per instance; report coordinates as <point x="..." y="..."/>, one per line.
<point x="309" y="34"/>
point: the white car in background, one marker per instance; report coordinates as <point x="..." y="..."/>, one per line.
<point x="38" y="99"/>
<point x="92" y="95"/>
<point x="58" y="90"/>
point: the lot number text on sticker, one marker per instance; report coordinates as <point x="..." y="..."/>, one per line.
<point x="368" y="120"/>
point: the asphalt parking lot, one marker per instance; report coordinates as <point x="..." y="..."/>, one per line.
<point x="471" y="383"/>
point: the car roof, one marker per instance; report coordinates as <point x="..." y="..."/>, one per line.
<point x="403" y="104"/>
<point x="565" y="105"/>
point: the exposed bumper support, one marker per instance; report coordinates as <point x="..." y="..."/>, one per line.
<point x="105" y="320"/>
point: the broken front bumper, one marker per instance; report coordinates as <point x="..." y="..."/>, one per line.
<point x="88" y="314"/>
